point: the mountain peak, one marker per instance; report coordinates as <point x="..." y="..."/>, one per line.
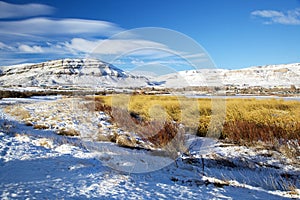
<point x="80" y="72"/>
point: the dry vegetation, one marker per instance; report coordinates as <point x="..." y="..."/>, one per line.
<point x="18" y="111"/>
<point x="68" y="132"/>
<point x="44" y="118"/>
<point x="274" y="122"/>
<point x="158" y="119"/>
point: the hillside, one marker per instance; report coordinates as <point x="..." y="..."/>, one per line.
<point x="93" y="73"/>
<point x="67" y="73"/>
<point x="264" y="76"/>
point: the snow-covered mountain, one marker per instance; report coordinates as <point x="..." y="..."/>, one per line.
<point x="267" y="76"/>
<point x="69" y="72"/>
<point x="283" y="75"/>
<point x="93" y="73"/>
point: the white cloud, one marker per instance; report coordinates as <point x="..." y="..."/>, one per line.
<point x="5" y="47"/>
<point x="114" y="48"/>
<point x="8" y="10"/>
<point x="134" y="52"/>
<point x="61" y="37"/>
<point x="93" y="47"/>
<point x="57" y="49"/>
<point x="46" y="27"/>
<point x="47" y="36"/>
<point x="267" y="13"/>
<point x="30" y="49"/>
<point x="291" y="17"/>
<point x="139" y="52"/>
<point x="81" y="45"/>
<point x="125" y="46"/>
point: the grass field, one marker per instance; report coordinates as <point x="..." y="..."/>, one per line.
<point x="273" y="122"/>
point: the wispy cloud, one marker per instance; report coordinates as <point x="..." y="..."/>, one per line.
<point x="8" y="10"/>
<point x="291" y="17"/>
<point x="3" y="46"/>
<point x="66" y="27"/>
<point x="30" y="49"/>
<point x="123" y="53"/>
<point x="39" y="38"/>
<point x="48" y="36"/>
<point x="96" y="47"/>
<point x="127" y="45"/>
<point x="25" y="33"/>
<point x="81" y="45"/>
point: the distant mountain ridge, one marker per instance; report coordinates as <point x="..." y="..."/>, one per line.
<point x="283" y="75"/>
<point x="93" y="73"/>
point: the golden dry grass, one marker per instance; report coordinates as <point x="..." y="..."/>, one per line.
<point x="17" y="111"/>
<point x="242" y="121"/>
<point x="245" y="120"/>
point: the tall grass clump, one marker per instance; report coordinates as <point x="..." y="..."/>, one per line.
<point x="252" y="120"/>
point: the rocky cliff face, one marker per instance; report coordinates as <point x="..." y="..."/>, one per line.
<point x="79" y="72"/>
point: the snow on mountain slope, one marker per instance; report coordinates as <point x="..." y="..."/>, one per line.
<point x="266" y="76"/>
<point x="78" y="72"/>
<point x="94" y="73"/>
<point x="203" y="77"/>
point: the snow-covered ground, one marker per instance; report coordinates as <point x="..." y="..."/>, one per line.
<point x="39" y="164"/>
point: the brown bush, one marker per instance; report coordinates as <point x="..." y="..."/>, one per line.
<point x="159" y="133"/>
<point x="248" y="131"/>
<point x="160" y="137"/>
<point x="97" y="104"/>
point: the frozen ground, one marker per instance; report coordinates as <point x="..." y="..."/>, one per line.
<point x="39" y="164"/>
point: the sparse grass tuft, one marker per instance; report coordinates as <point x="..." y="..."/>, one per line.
<point x="40" y="126"/>
<point x="68" y="132"/>
<point x="17" y="111"/>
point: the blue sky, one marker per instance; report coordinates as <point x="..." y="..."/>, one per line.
<point x="234" y="33"/>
